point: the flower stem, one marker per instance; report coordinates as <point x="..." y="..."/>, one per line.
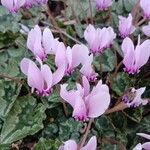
<point x="86" y="133"/>
<point x="121" y="106"/>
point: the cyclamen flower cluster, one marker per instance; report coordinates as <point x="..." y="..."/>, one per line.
<point x="66" y="60"/>
<point x="14" y="5"/>
<point x="86" y="103"/>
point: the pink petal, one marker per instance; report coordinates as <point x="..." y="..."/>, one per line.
<point x="35" y="79"/>
<point x="47" y="75"/>
<point x="86" y="85"/>
<point x="79" y="109"/>
<point x="129" y="54"/>
<point x="100" y="87"/>
<point x="145" y="4"/>
<point x="8" y="4"/>
<point x="91" y="145"/>
<point x="20" y="3"/>
<point x="48" y="41"/>
<point x="87" y="69"/>
<point x="69" y="145"/>
<point x="60" y="58"/>
<point x="60" y="61"/>
<point x="125" y="26"/>
<point x="58" y="74"/>
<point x="68" y="96"/>
<point x="98" y="104"/>
<point x="79" y="54"/>
<point x="146" y="30"/>
<point x="69" y="57"/>
<point x="34" y="42"/>
<point x="89" y="34"/>
<point x="80" y="89"/>
<point x="146" y="146"/>
<point x="142" y="53"/>
<point x="138" y="147"/>
<point x="147" y="136"/>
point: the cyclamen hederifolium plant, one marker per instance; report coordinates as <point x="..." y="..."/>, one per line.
<point x="74" y="74"/>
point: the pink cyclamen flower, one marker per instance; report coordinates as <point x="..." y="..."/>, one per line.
<point x="145" y="5"/>
<point x="99" y="39"/>
<point x="43" y="79"/>
<point x="135" y="100"/>
<point x="13" y="5"/>
<point x="125" y="26"/>
<point x="146" y="145"/>
<point x="41" y="44"/>
<point x="72" y="145"/>
<point x="103" y="4"/>
<point x="87" y="104"/>
<point x="135" y="58"/>
<point x="146" y="30"/>
<point x="79" y="54"/>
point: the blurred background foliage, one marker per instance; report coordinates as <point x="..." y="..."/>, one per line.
<point x="28" y="121"/>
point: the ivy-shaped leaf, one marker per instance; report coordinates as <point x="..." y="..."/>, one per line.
<point x="25" y="118"/>
<point x="105" y="62"/>
<point x="8" y="94"/>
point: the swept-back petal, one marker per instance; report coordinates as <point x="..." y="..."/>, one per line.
<point x="100" y="87"/>
<point x="86" y="86"/>
<point x="89" y="34"/>
<point x="138" y="147"/>
<point x="91" y="145"/>
<point x="48" y="41"/>
<point x="69" y="145"/>
<point x="47" y="76"/>
<point x="97" y="104"/>
<point x="146" y="146"/>
<point x="146" y="30"/>
<point x="35" y="79"/>
<point x="79" y="108"/>
<point x="68" y="96"/>
<point x="69" y="57"/>
<point x="129" y="54"/>
<point x="34" y="42"/>
<point x="7" y="3"/>
<point x="142" y="54"/>
<point x="79" y="54"/>
<point x="147" y="136"/>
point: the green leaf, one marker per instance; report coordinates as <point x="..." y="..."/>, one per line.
<point x="69" y="129"/>
<point x="12" y="68"/>
<point x="80" y="9"/>
<point x="47" y="144"/>
<point x="129" y="4"/>
<point x="25" y="118"/>
<point x="105" y="62"/>
<point x="8" y="94"/>
<point x="5" y="146"/>
<point x="120" y="83"/>
<point x="118" y="7"/>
